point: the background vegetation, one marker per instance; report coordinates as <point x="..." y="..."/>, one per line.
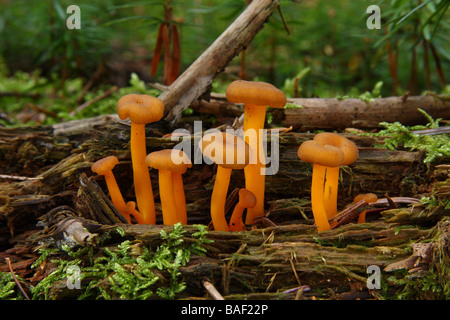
<point x="323" y="46"/>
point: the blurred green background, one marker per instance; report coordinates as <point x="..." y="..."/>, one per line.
<point x="314" y="48"/>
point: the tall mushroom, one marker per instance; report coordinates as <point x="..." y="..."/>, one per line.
<point x="228" y="152"/>
<point x="104" y="167"/>
<point x="256" y="96"/>
<point x="141" y="109"/>
<point x="350" y="151"/>
<point x="246" y="200"/>
<point x="171" y="164"/>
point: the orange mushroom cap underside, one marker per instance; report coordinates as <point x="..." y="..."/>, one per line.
<point x="140" y="108"/>
<point x="104" y="165"/>
<point x="255" y="92"/>
<point x="325" y="155"/>
<point x="226" y="150"/>
<point x="348" y="147"/>
<point x="169" y="159"/>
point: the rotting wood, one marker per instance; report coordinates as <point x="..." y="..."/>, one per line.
<point x="318" y="113"/>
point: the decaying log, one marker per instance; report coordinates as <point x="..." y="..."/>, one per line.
<point x="317" y="113"/>
<point x="197" y="79"/>
<point x="285" y="261"/>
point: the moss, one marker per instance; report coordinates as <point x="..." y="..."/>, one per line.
<point x="128" y="271"/>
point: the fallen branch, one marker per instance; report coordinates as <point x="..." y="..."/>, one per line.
<point x="196" y="80"/>
<point x="314" y="113"/>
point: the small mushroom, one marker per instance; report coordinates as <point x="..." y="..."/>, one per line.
<point x="228" y="152"/>
<point x="104" y="168"/>
<point x="130" y="209"/>
<point x="246" y="200"/>
<point x="141" y="109"/>
<point x="171" y="165"/>
<point x="368" y="198"/>
<point x="256" y="96"/>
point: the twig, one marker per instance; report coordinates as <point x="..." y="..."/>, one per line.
<point x="20" y="178"/>
<point x="212" y="290"/>
<point x="15" y="278"/>
<point x="100" y="97"/>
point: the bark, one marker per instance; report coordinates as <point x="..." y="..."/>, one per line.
<point x="316" y="113"/>
<point x="197" y="79"/>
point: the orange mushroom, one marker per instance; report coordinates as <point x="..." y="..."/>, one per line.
<point x="368" y="198"/>
<point x="228" y="152"/>
<point x="246" y="200"/>
<point x="256" y="96"/>
<point x="141" y="109"/>
<point x="130" y="209"/>
<point x="322" y="157"/>
<point x="104" y="168"/>
<point x="171" y="164"/>
<point x="350" y="151"/>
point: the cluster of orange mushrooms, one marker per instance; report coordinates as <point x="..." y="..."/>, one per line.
<point x="327" y="152"/>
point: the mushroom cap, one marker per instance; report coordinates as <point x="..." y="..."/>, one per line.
<point x="247" y="198"/>
<point x="140" y="108"/>
<point x="169" y="159"/>
<point x="348" y="147"/>
<point x="226" y="150"/>
<point x="256" y="93"/>
<point x="104" y="165"/>
<point x="325" y="155"/>
<point x="368" y="197"/>
<point x="130" y="207"/>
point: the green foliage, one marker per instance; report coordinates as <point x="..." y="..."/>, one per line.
<point x="397" y="135"/>
<point x="8" y="287"/>
<point x="366" y="96"/>
<point x="123" y="274"/>
<point x="57" y="106"/>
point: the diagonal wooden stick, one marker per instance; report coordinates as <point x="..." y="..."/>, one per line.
<point x="197" y="79"/>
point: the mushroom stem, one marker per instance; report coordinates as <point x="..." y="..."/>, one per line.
<point x="362" y="216"/>
<point x="317" y="203"/>
<point x="331" y="191"/>
<point x="218" y="198"/>
<point x="130" y="209"/>
<point x="180" y="198"/>
<point x="168" y="202"/>
<point x="254" y="172"/>
<point x="236" y="223"/>
<point x="142" y="182"/>
<point x="114" y="192"/>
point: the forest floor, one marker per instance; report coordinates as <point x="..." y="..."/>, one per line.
<point x="58" y="224"/>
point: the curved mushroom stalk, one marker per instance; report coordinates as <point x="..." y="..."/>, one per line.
<point x="104" y="167"/>
<point x="218" y="198"/>
<point x="130" y="209"/>
<point x="246" y="200"/>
